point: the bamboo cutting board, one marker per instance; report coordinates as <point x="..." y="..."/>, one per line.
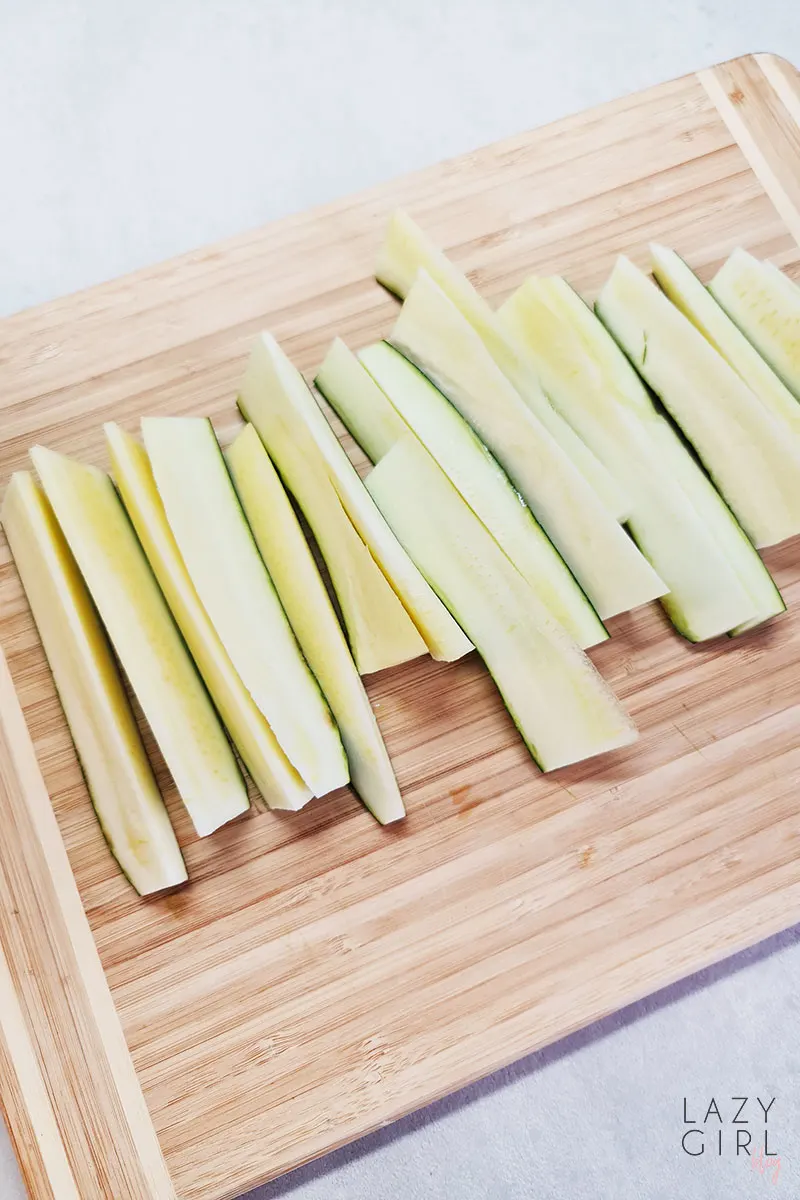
<point x="321" y="975"/>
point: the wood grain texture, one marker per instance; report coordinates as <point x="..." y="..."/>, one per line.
<point x="31" y="1120"/>
<point x="754" y="97"/>
<point x="322" y="975"/>
<point x="83" y="1127"/>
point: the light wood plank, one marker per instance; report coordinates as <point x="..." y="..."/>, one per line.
<point x="32" y="1122"/>
<point x="69" y="1066"/>
<point x="760" y="118"/>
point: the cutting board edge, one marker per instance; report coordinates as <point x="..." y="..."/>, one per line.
<point x="726" y="87"/>
<point x="57" y="1002"/>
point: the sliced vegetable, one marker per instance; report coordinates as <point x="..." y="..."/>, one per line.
<point x="358" y="401"/>
<point x="305" y="600"/>
<point x="687" y="293"/>
<point x="274" y="776"/>
<point x="605" y="372"/>
<point x="433" y="334"/>
<point x="485" y="487"/>
<point x="743" y="447"/>
<point x="575" y="359"/>
<point x="407" y="250"/>
<point x="721" y="525"/>
<point x="301" y="443"/>
<point x="145" y="638"/>
<point x="380" y="632"/>
<point x="561" y="705"/>
<point x="765" y="304"/>
<point x="232" y="583"/>
<point x="118" y="775"/>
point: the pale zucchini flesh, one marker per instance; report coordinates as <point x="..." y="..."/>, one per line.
<point x="687" y="293"/>
<point x="233" y="585"/>
<point x="433" y="334"/>
<point x="406" y="250"/>
<point x="358" y="402"/>
<point x="485" y="487"/>
<point x="118" y="776"/>
<point x="725" y="531"/>
<point x="611" y="372"/>
<point x="146" y="639"/>
<point x="706" y="598"/>
<point x="610" y="380"/>
<point x="765" y="304"/>
<point x="273" y="775"/>
<point x="276" y="399"/>
<point x="742" y="446"/>
<point x="562" y="707"/>
<point x="379" y="630"/>
<point x="302" y="592"/>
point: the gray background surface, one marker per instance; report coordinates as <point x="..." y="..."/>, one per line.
<point x="133" y="130"/>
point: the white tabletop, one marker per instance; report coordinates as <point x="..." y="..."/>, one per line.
<point x="133" y="130"/>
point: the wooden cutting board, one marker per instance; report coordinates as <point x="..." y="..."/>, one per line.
<point x="321" y="975"/>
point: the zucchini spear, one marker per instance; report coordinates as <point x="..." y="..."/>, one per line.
<point x="118" y="775"/>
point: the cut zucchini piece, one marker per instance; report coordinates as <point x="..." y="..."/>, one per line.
<point x="765" y="304"/>
<point x="272" y="773"/>
<point x="407" y="250"/>
<point x="606" y="376"/>
<point x="276" y="399"/>
<point x="705" y="597"/>
<point x="237" y="593"/>
<point x="380" y="632"/>
<point x="358" y="402"/>
<point x="118" y="775"/>
<point x="485" y="487"/>
<point x="145" y="638"/>
<point x="432" y="333"/>
<point x="305" y="600"/>
<point x="744" y="449"/>
<point x="723" y="528"/>
<point x="611" y="372"/>
<point x="560" y="704"/>
<point x="687" y="293"/>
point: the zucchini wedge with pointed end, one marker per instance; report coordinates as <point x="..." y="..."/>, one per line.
<point x="579" y="362"/>
<point x="485" y="487"/>
<point x="407" y="250"/>
<point x="745" y="450"/>
<point x="272" y="773"/>
<point x="561" y="705"/>
<point x="379" y="630"/>
<point x="765" y="304"/>
<point x="233" y="585"/>
<point x="118" y="775"/>
<point x="146" y="639"/>
<point x="433" y="334"/>
<point x="275" y="398"/>
<point x="687" y="293"/>
<point x="723" y="528"/>
<point x="358" y="402"/>
<point x="305" y="600"/>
